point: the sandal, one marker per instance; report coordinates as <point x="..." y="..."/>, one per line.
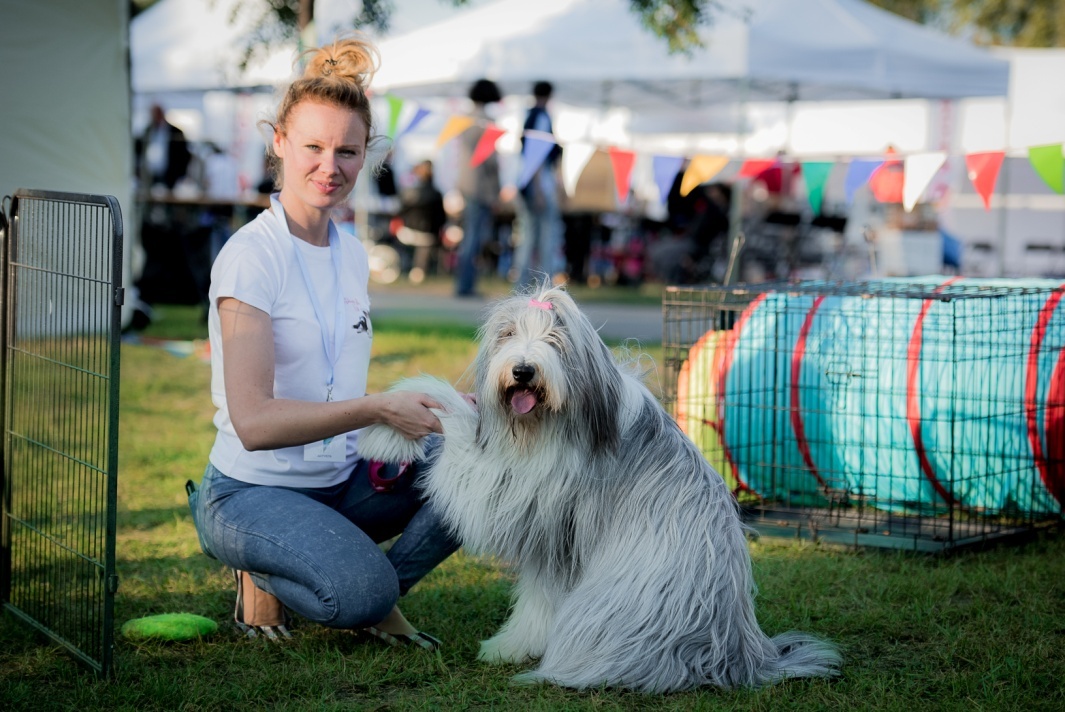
<point x="258" y="612"/>
<point x="419" y="639"/>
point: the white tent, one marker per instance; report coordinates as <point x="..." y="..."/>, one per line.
<point x="196" y="45"/>
<point x="597" y="53"/>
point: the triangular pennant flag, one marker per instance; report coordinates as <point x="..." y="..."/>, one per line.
<point x="815" y="175"/>
<point x="454" y="126"/>
<point x="419" y="115"/>
<point x="665" y="170"/>
<point x="486" y="145"/>
<point x="1049" y="163"/>
<point x="622" y="161"/>
<point x="701" y="169"/>
<point x="918" y="171"/>
<point x="574" y="159"/>
<point x="753" y="166"/>
<point x="858" y="173"/>
<point x="395" y="105"/>
<point x="533" y="154"/>
<point x="983" y="172"/>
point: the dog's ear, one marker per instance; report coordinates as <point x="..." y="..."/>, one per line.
<point x="599" y="387"/>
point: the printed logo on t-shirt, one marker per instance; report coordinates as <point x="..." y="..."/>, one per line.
<point x="360" y="318"/>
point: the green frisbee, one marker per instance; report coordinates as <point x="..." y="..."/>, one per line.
<point x="169" y="626"/>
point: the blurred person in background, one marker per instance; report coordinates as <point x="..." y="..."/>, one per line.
<point x="540" y="223"/>
<point x="480" y="189"/>
<point x="421" y="219"/>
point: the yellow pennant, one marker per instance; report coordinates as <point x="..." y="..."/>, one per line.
<point x="454" y="126"/>
<point x="701" y="169"/>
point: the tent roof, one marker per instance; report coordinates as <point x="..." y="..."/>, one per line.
<point x="596" y="52"/>
<point x="192" y="45"/>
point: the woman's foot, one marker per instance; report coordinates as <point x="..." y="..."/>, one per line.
<point x="394" y="629"/>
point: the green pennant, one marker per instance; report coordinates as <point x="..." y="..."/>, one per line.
<point x="815" y="175"/>
<point x="395" y="105"/>
<point x="1049" y="163"/>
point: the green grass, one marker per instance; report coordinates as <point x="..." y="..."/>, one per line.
<point x="979" y="630"/>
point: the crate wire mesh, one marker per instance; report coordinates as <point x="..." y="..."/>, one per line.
<point x="60" y="361"/>
<point x="924" y="413"/>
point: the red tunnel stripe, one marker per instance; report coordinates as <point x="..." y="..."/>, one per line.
<point x="726" y="363"/>
<point x="913" y="395"/>
<point x="1055" y="432"/>
<point x="796" y="410"/>
<point x="1053" y="478"/>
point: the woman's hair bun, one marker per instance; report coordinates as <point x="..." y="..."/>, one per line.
<point x="353" y="58"/>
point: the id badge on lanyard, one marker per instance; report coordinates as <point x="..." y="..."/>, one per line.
<point x="334" y="449"/>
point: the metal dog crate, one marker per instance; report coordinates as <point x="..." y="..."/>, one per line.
<point x="923" y="413"/>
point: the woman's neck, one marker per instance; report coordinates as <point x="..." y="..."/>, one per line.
<point x="306" y="223"/>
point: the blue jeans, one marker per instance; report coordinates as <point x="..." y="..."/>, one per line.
<point x="316" y="548"/>
<point x="476" y="226"/>
<point x="540" y="235"/>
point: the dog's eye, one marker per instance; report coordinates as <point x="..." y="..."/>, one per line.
<point x="506" y="333"/>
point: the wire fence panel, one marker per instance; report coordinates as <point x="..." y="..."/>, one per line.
<point x="921" y="413"/>
<point x="62" y="301"/>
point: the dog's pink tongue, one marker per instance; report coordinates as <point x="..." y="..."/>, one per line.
<point x="522" y="401"/>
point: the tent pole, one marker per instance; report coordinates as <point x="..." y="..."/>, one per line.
<point x="1004" y="193"/>
<point x="735" y="213"/>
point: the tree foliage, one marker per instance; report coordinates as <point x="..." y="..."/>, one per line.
<point x="1019" y="23"/>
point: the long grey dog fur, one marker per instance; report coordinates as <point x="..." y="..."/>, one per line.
<point x="632" y="562"/>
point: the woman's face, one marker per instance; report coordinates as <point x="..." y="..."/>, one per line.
<point x="322" y="150"/>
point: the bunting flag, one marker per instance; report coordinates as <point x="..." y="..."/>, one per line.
<point x="395" y="105"/>
<point x="419" y="115"/>
<point x="574" y="159"/>
<point x="538" y="145"/>
<point x="455" y="125"/>
<point x="1049" y="163"/>
<point x="983" y="172"/>
<point x="858" y="174"/>
<point x="701" y="170"/>
<point x="486" y="145"/>
<point x="622" y="161"/>
<point x="665" y="169"/>
<point x="753" y="166"/>
<point x="918" y="171"/>
<point x="815" y="175"/>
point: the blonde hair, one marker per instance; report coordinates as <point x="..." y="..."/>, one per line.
<point x="337" y="74"/>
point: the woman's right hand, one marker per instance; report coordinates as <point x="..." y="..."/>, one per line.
<point x="410" y="414"/>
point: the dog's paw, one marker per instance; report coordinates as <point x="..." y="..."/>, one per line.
<point x="382" y="443"/>
<point x="501" y="649"/>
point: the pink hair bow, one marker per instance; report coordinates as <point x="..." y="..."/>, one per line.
<point x="546" y="306"/>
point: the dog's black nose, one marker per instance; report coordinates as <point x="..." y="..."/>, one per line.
<point x="523" y="373"/>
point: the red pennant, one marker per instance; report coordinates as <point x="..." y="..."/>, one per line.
<point x="486" y="145"/>
<point x="753" y="166"/>
<point x="622" y="161"/>
<point x="886" y="181"/>
<point x="983" y="172"/>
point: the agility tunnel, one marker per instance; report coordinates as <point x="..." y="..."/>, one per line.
<point x="913" y="396"/>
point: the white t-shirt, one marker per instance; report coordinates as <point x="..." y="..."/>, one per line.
<point x="258" y="266"/>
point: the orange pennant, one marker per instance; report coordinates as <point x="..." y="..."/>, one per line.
<point x="983" y="172"/>
<point x="701" y="169"/>
<point x="486" y="145"/>
<point x="622" y="161"/>
<point x="455" y="125"/>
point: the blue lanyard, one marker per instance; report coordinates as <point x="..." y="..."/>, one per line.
<point x="332" y="350"/>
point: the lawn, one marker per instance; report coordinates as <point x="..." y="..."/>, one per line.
<point x="976" y="630"/>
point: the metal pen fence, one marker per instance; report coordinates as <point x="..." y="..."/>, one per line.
<point x="60" y="374"/>
<point x="924" y="413"/>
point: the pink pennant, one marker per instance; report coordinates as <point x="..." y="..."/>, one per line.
<point x="486" y="145"/>
<point x="622" y="162"/>
<point x="983" y="172"/>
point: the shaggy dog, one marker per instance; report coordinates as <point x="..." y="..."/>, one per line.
<point x="631" y="559"/>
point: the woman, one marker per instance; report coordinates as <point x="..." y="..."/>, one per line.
<point x="286" y="500"/>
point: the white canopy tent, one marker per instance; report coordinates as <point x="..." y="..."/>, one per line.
<point x="597" y="53"/>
